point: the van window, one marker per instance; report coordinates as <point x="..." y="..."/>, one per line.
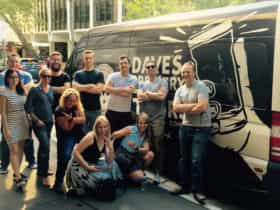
<point x="109" y="41"/>
<point x="160" y="36"/>
<point x="215" y="63"/>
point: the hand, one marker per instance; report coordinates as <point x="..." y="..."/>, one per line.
<point x="68" y="116"/>
<point x="40" y="123"/>
<point x="93" y="168"/>
<point x="131" y="144"/>
<point x="114" y="135"/>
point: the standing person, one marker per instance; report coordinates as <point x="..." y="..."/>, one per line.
<point x="27" y="82"/>
<point x="69" y="120"/>
<point x="191" y="99"/>
<point x="14" y="121"/>
<point x="93" y="160"/>
<point x="60" y="80"/>
<point x="134" y="154"/>
<point x="120" y="86"/>
<point x="39" y="107"/>
<point x="89" y="82"/>
<point x="151" y="96"/>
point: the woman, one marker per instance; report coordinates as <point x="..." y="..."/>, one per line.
<point x="93" y="160"/>
<point x="39" y="108"/>
<point x="191" y="99"/>
<point x="14" y="121"/>
<point x="69" y="120"/>
<point x="134" y="154"/>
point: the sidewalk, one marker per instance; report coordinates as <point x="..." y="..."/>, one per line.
<point x="39" y="198"/>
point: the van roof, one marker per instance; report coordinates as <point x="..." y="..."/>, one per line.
<point x="192" y="18"/>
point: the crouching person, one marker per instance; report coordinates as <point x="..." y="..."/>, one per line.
<point x="134" y="154"/>
<point x="93" y="161"/>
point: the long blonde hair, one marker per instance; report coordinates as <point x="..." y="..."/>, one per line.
<point x="98" y="120"/>
<point x="66" y="94"/>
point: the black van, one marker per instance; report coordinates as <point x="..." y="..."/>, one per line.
<point x="234" y="50"/>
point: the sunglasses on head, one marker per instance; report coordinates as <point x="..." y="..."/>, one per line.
<point x="46" y="76"/>
<point x="150" y="67"/>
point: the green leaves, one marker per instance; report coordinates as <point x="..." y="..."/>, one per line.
<point x="135" y="9"/>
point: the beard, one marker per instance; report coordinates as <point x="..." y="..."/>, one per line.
<point x="55" y="67"/>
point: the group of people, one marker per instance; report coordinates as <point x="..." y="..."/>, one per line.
<point x="93" y="146"/>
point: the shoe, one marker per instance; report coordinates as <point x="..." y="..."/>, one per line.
<point x="180" y="191"/>
<point x="200" y="198"/>
<point x="3" y="171"/>
<point x="75" y="192"/>
<point x="43" y="181"/>
<point x="156" y="180"/>
<point x="20" y="182"/>
<point x="32" y="166"/>
<point x="59" y="188"/>
<point x="24" y="177"/>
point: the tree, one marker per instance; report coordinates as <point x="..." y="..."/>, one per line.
<point x="18" y="13"/>
<point x="135" y="9"/>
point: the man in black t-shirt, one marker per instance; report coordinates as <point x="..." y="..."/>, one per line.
<point x="60" y="80"/>
<point x="89" y="82"/>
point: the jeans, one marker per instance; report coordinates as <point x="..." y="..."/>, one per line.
<point x="43" y="134"/>
<point x="90" y="119"/>
<point x="28" y="151"/>
<point x="156" y="137"/>
<point x="65" y="146"/>
<point x="193" y="146"/>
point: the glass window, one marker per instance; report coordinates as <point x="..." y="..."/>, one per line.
<point x="103" y="12"/>
<point x="81" y="13"/>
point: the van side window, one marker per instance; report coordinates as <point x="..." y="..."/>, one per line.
<point x="160" y="36"/>
<point x="109" y="41"/>
<point x="215" y="64"/>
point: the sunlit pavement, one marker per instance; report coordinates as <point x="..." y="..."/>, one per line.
<point x="40" y="198"/>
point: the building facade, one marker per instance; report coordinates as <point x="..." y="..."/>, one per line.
<point x="61" y="23"/>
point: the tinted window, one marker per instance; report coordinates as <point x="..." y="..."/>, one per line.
<point x="109" y="41"/>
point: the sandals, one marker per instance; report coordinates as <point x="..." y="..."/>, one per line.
<point x="20" y="182"/>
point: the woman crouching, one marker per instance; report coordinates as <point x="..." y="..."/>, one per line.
<point x="93" y="160"/>
<point x="134" y="154"/>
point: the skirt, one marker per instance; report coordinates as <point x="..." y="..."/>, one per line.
<point x="84" y="181"/>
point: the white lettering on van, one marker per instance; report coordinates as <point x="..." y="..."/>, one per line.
<point x="177" y="65"/>
<point x="136" y="65"/>
<point x="166" y="65"/>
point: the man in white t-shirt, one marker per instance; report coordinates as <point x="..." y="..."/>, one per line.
<point x="120" y="85"/>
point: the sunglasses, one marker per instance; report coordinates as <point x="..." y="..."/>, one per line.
<point x="46" y="76"/>
<point x="150" y="67"/>
<point x="13" y="77"/>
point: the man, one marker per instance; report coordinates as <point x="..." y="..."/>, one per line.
<point x="60" y="80"/>
<point x="120" y="86"/>
<point x="89" y="82"/>
<point x="191" y="99"/>
<point x="151" y="96"/>
<point x="26" y="78"/>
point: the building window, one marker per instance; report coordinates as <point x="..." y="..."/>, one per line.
<point x="81" y="14"/>
<point x="41" y="21"/>
<point x="103" y="12"/>
<point x="58" y="11"/>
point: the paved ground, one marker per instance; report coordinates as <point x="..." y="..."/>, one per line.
<point x="39" y="198"/>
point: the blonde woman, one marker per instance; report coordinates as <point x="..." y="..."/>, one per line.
<point x="93" y="159"/>
<point x="69" y="121"/>
<point x="39" y="108"/>
<point x="14" y="121"/>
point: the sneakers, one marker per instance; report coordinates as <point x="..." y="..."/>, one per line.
<point x="200" y="198"/>
<point x="32" y="166"/>
<point x="3" y="171"/>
